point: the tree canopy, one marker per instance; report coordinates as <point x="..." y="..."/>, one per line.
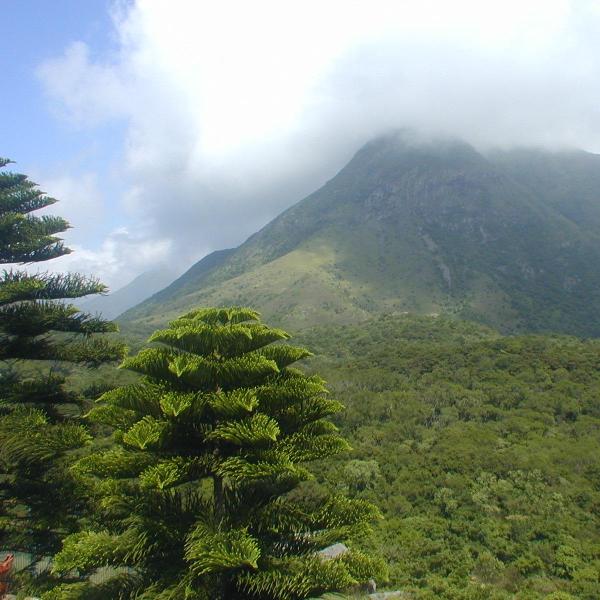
<point x="38" y="415"/>
<point x="202" y="494"/>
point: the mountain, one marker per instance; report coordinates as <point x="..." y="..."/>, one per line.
<point x="137" y="290"/>
<point x="569" y="181"/>
<point x="509" y="239"/>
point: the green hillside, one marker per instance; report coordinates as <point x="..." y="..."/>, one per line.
<point x="418" y="227"/>
<point x="482" y="451"/>
<point x="569" y="181"/>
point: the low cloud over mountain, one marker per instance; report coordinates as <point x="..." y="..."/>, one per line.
<point x="233" y="111"/>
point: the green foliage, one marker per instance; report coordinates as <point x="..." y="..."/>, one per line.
<point x="39" y="415"/>
<point x="27" y="238"/>
<point x="207" y="551"/>
<point x="482" y="451"/>
<point x="201" y="495"/>
<point x="31" y="306"/>
<point x="86" y="550"/>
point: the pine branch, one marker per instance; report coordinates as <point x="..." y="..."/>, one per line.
<point x="20" y="286"/>
<point x="217" y="316"/>
<point x="116" y="462"/>
<point x="36" y="318"/>
<point x="233" y="404"/>
<point x="26" y="438"/>
<point x="87" y="550"/>
<point x="145" y="432"/>
<point x="210" y="340"/>
<point x="196" y="372"/>
<point x="257" y="430"/>
<point x="45" y="390"/>
<point x="141" y="398"/>
<point x="210" y="552"/>
<point x="113" y="416"/>
<point x="21" y="196"/>
<point x="91" y="352"/>
<point x="305" y="447"/>
<point x="240" y="470"/>
<point x="284" y="355"/>
<point x="25" y="348"/>
<point x="31" y="239"/>
<point x="175" y="471"/>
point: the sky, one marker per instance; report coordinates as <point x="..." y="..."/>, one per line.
<point x="171" y="128"/>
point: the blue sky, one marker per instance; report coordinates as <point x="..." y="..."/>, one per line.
<point x="31" y="31"/>
<point x="33" y="132"/>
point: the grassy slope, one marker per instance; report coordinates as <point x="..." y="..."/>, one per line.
<point x="482" y="450"/>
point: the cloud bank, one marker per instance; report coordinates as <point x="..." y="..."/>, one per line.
<point x="235" y="110"/>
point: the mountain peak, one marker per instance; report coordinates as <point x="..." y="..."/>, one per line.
<point x="409" y="145"/>
<point x="415" y="224"/>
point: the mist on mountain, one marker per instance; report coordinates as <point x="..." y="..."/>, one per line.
<point x="420" y="224"/>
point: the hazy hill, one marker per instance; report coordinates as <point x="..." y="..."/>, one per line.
<point x="511" y="240"/>
<point x="137" y="290"/>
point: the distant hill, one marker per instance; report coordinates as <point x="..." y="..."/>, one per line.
<point x="143" y="286"/>
<point x="511" y="239"/>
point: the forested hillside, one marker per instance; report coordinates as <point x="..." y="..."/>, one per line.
<point x="482" y="451"/>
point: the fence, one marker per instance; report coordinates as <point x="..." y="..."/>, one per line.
<point x="22" y="561"/>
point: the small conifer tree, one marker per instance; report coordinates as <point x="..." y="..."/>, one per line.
<point x="36" y="324"/>
<point x="201" y="496"/>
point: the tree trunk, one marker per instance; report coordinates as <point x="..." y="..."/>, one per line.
<point x="219" y="500"/>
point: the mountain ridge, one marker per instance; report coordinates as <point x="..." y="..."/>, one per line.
<point x="418" y="226"/>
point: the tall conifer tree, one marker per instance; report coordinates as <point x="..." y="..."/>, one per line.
<point x="36" y="324"/>
<point x="200" y="496"/>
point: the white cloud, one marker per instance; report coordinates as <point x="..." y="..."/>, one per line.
<point x="121" y="257"/>
<point x="95" y="92"/>
<point x="81" y="202"/>
<point x="237" y="109"/>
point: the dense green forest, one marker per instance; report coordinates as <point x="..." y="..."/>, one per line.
<point x="481" y="450"/>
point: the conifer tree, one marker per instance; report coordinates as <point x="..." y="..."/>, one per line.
<point x="36" y="324"/>
<point x="201" y="495"/>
